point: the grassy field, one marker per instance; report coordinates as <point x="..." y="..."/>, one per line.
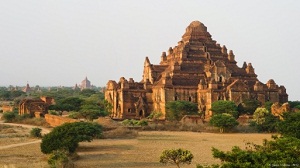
<point x="143" y="151"/>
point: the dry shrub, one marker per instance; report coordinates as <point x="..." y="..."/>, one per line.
<point x="34" y="121"/>
<point x="8" y="131"/>
<point x="175" y="126"/>
<point x="120" y="133"/>
<point x="108" y="123"/>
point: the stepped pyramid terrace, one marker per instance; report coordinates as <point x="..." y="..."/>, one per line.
<point x="199" y="70"/>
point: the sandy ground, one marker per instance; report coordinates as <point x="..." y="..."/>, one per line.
<point x="143" y="151"/>
<point x="146" y="149"/>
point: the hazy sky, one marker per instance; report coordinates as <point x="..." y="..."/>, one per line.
<point x="59" y="42"/>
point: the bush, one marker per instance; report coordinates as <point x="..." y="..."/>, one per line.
<point x="175" y="110"/>
<point x="74" y="115"/>
<point x="59" y="158"/>
<point x="223" y="121"/>
<point x="120" y="133"/>
<point x="36" y="132"/>
<point x="270" y="124"/>
<point x="9" y="116"/>
<point x="224" y="106"/>
<point x="53" y="112"/>
<point x="290" y="125"/>
<point x="132" y="122"/>
<point x="176" y="156"/>
<point x="280" y="152"/>
<point x="68" y="136"/>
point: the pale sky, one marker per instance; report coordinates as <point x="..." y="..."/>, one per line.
<point x="60" y="42"/>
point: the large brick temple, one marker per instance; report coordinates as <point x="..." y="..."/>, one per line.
<point x="199" y="70"/>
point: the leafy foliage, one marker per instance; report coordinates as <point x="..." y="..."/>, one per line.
<point x="175" y="110"/>
<point x="223" y="106"/>
<point x="279" y="152"/>
<point x="248" y="107"/>
<point x="269" y="125"/>
<point x="58" y="158"/>
<point x="132" y="122"/>
<point x="176" y="156"/>
<point x="67" y="104"/>
<point x="68" y="135"/>
<point x="268" y="105"/>
<point x="260" y="114"/>
<point x="10" y="95"/>
<point x="9" y="116"/>
<point x="290" y="125"/>
<point x="223" y="121"/>
<point x="155" y="115"/>
<point x="36" y="132"/>
<point x="87" y="92"/>
<point x="293" y="104"/>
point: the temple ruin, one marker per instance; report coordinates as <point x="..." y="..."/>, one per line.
<point x="199" y="70"/>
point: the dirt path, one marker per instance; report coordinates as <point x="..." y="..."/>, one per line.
<point x="44" y="131"/>
<point x="19" y="144"/>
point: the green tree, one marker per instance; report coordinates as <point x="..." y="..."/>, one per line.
<point x="260" y="114"/>
<point x="67" y="104"/>
<point x="175" y="110"/>
<point x="36" y="132"/>
<point x="90" y="111"/>
<point x="280" y="152"/>
<point x="293" y="104"/>
<point x="176" y="156"/>
<point x="68" y="136"/>
<point x="270" y="124"/>
<point x="87" y="92"/>
<point x="223" y="121"/>
<point x="223" y="106"/>
<point x="268" y="105"/>
<point x="290" y="125"/>
<point x="248" y="106"/>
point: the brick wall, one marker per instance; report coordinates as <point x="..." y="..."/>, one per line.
<point x="54" y="120"/>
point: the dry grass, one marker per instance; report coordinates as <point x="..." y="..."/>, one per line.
<point x="13" y="135"/>
<point x="23" y="157"/>
<point x="143" y="151"/>
<point x="120" y="133"/>
<point x="34" y="121"/>
<point x="146" y="149"/>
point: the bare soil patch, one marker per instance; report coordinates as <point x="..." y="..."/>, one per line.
<point x="146" y="149"/>
<point x="143" y="151"/>
<point x="14" y="134"/>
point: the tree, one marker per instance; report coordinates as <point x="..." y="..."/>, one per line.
<point x="264" y="121"/>
<point x="280" y="152"/>
<point x="269" y="125"/>
<point x="87" y="92"/>
<point x="223" y="106"/>
<point x="93" y="107"/>
<point x="176" y="156"/>
<point x="293" y="104"/>
<point x="175" y="110"/>
<point x="90" y="111"/>
<point x="290" y="125"/>
<point x="67" y="104"/>
<point x="268" y="105"/>
<point x="68" y="135"/>
<point x="260" y="114"/>
<point x="248" y="106"/>
<point x="223" y="121"/>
